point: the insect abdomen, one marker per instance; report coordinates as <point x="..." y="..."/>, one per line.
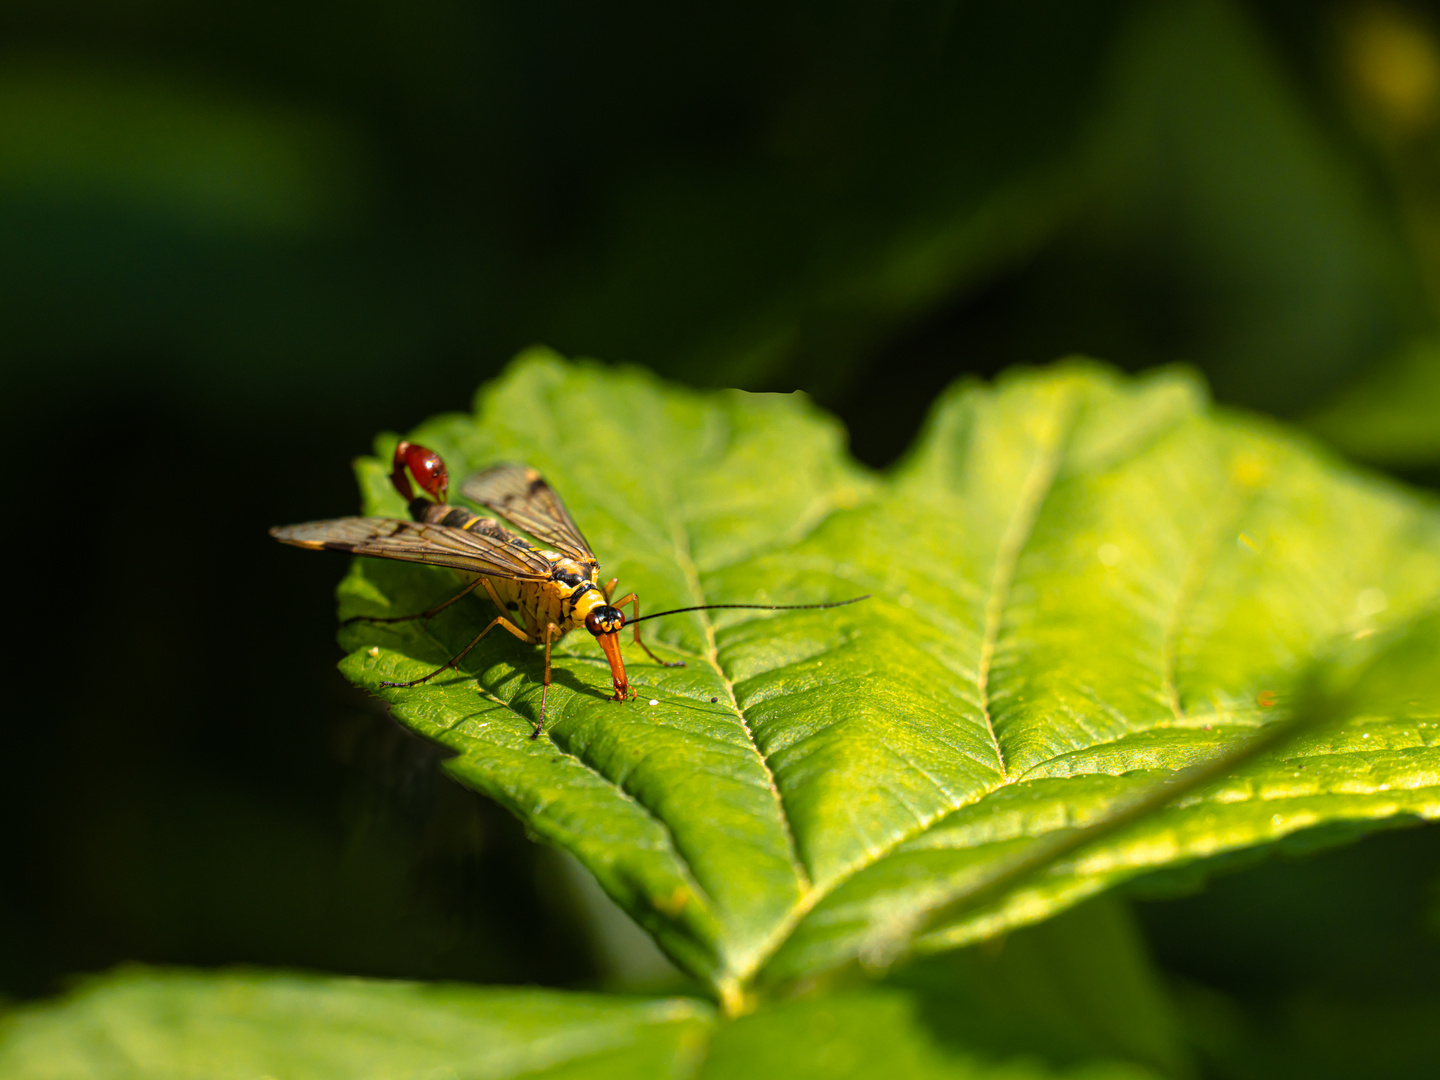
<point x="457" y="517"/>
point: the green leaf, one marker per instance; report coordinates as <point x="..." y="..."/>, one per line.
<point x="883" y="1030"/>
<point x="1074" y="997"/>
<point x="178" y="1025"/>
<point x="1391" y="416"/>
<point x="1077" y="988"/>
<point x="1081" y="584"/>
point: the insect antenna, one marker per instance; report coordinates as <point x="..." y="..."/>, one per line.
<point x="751" y="607"/>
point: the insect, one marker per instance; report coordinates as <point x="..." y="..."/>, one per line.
<point x="541" y="594"/>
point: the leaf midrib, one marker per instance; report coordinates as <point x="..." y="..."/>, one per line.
<point x="1172" y="649"/>
<point x="1018" y="530"/>
<point x="686" y="562"/>
<point x="1201" y="562"/>
<point x="1039" y="482"/>
<point x="1231" y="510"/>
<point x="1041" y="476"/>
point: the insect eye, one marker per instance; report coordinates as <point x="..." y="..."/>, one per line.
<point x="604" y="620"/>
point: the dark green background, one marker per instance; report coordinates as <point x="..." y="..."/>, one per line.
<point x="238" y="241"/>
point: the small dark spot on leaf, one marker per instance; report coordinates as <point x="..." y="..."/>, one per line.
<point x="713" y="700"/>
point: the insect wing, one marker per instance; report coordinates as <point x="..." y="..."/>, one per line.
<point x="521" y="495"/>
<point x="409" y="541"/>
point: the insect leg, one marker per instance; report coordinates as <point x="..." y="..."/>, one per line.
<point x="551" y="633"/>
<point x="421" y="615"/>
<point x="634" y="601"/>
<point x="495" y="598"/>
<point x="609" y="588"/>
<point x="500" y="621"/>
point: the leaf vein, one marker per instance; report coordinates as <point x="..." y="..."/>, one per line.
<point x="1201" y="561"/>
<point x="1018" y="530"/>
<point x="1038" y="483"/>
<point x="686" y="562"/>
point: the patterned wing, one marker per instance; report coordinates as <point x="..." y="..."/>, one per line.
<point x="521" y="495"/>
<point x="411" y="541"/>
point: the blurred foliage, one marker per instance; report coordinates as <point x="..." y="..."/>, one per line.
<point x="161" y="1025"/>
<point x="299" y="200"/>
<point x="238" y="241"/>
<point x="1073" y="998"/>
<point x="1391" y="416"/>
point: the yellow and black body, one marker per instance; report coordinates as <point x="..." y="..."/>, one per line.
<point x="542" y="593"/>
<point x="541" y="612"/>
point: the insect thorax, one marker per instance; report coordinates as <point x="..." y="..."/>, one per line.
<point x="565" y="599"/>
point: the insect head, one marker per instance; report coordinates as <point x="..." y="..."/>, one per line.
<point x="605" y="620"/>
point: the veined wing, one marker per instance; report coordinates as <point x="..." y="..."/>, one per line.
<point x="520" y="494"/>
<point x="410" y="541"/>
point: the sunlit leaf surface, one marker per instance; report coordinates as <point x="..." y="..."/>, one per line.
<point x="1080" y="584"/>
